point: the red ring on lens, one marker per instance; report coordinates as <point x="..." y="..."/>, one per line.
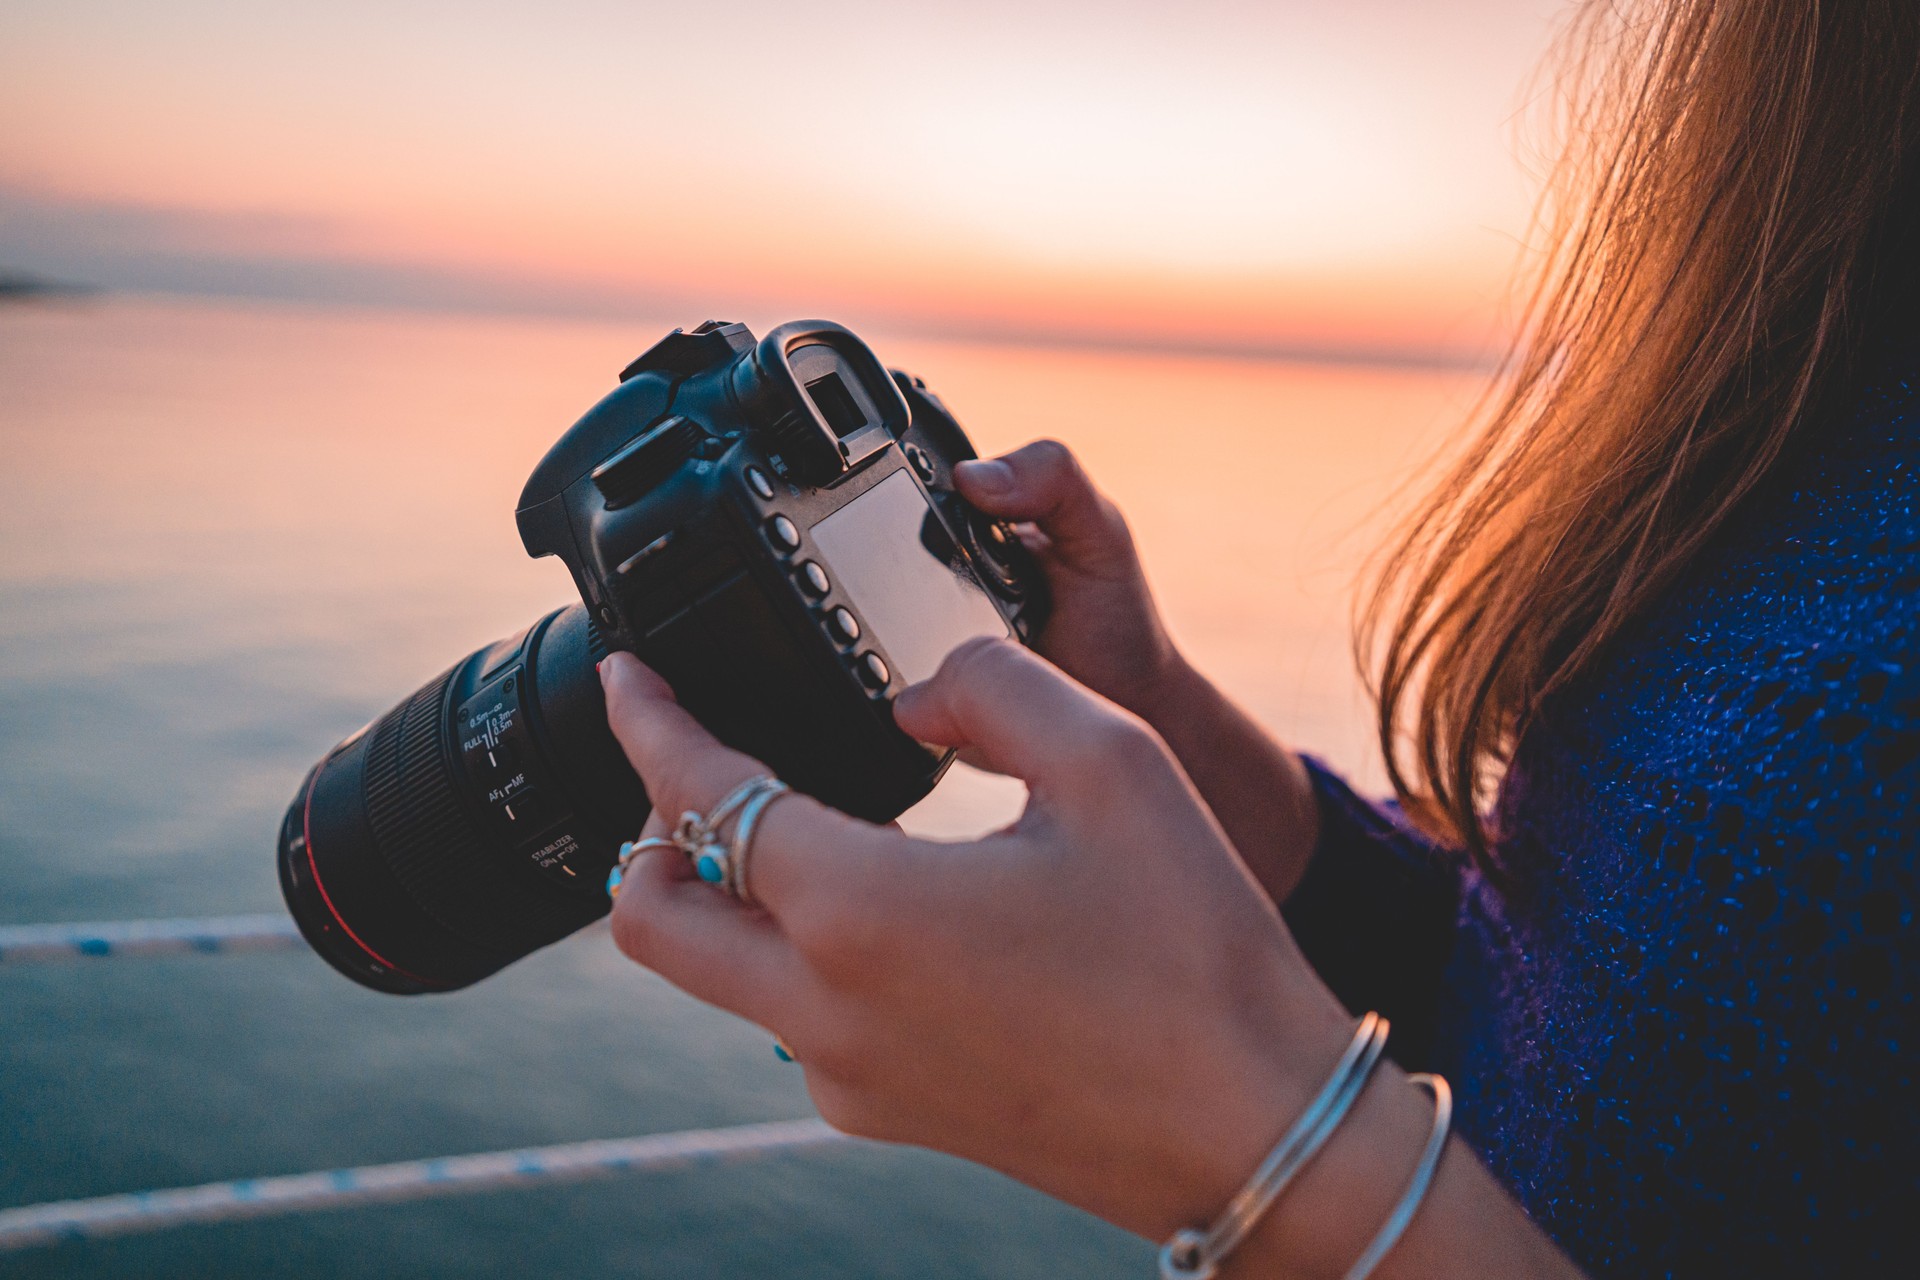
<point x="306" y="834"/>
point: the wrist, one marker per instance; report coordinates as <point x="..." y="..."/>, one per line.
<point x="1170" y="695"/>
<point x="1266" y="1077"/>
<point x="1258" y="789"/>
<point x="1326" y="1220"/>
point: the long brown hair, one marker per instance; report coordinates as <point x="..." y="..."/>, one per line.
<point x="1731" y="222"/>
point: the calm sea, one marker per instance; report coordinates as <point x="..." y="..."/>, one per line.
<point x="231" y="534"/>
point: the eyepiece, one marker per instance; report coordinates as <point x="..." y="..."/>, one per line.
<point x="831" y="404"/>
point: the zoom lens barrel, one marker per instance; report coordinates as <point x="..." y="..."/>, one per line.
<point x="472" y="824"/>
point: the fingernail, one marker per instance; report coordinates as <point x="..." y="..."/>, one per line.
<point x="987" y="475"/>
<point x="906" y="700"/>
<point x="601" y="667"/>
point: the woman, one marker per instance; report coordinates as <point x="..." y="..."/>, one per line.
<point x="1649" y="687"/>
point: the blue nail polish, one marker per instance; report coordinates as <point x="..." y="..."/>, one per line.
<point x="780" y="1051"/>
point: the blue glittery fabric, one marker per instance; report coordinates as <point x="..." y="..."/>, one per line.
<point x="1685" y="1036"/>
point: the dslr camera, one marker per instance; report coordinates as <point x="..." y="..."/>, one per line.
<point x="772" y="526"/>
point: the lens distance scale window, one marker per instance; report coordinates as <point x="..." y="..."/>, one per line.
<point x="498" y="752"/>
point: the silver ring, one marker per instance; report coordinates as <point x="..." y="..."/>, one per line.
<point x="697" y="835"/>
<point x="713" y="861"/>
<point x="628" y="852"/>
<point x="696" y="829"/>
<point x="741" y="847"/>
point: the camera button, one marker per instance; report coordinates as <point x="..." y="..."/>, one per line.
<point x="843" y="626"/>
<point x="921" y="462"/>
<point x="873" y="671"/>
<point x="813" y="579"/>
<point x="784" y="533"/>
<point x="757" y="480"/>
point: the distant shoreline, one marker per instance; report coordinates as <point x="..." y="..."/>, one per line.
<point x="24" y="288"/>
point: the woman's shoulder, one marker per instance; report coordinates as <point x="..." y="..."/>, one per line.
<point x="1746" y="764"/>
<point x="1852" y="489"/>
<point x="1754" y="744"/>
<point x="1709" y="949"/>
<point x="1793" y="638"/>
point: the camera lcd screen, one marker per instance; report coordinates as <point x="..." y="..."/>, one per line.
<point x="906" y="579"/>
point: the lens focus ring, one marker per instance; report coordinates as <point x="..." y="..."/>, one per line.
<point x="431" y="843"/>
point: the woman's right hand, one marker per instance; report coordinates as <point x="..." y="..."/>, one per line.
<point x="1106" y="633"/>
<point x="1105" y="630"/>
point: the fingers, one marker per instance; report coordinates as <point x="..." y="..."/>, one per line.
<point x="683" y="765"/>
<point x="799" y="841"/>
<point x="1043" y="483"/>
<point x="817" y="873"/>
<point x="1017" y="714"/>
<point x="704" y="942"/>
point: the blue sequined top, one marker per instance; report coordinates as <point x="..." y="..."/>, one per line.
<point x="1685" y="1037"/>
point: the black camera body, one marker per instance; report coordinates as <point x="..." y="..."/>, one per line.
<point x="771" y="526"/>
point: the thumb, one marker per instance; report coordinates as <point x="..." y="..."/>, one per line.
<point x="1019" y="715"/>
<point x="1043" y="483"/>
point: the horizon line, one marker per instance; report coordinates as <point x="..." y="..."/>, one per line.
<point x="25" y="288"/>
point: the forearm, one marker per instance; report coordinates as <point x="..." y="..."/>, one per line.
<point x="1258" y="790"/>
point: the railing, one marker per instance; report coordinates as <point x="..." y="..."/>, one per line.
<point x="26" y="1226"/>
<point x="27" y="943"/>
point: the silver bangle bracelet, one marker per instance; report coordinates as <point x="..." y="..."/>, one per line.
<point x="1403" y="1212"/>
<point x="1197" y="1254"/>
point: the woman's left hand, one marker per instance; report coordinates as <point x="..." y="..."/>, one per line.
<point x="1098" y="1001"/>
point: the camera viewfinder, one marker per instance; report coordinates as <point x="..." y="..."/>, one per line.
<point x="835" y="402"/>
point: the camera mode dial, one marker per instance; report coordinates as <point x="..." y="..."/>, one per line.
<point x="999" y="557"/>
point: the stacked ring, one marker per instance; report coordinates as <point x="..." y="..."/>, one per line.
<point x="697" y="835"/>
<point x="741" y="846"/>
<point x="629" y="850"/>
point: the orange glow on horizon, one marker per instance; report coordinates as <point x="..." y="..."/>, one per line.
<point x="1234" y="173"/>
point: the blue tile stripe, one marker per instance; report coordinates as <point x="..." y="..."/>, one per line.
<point x="28" y="1226"/>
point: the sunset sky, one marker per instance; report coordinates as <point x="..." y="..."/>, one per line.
<point x="1290" y="173"/>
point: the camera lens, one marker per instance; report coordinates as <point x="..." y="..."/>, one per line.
<point x="472" y="824"/>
